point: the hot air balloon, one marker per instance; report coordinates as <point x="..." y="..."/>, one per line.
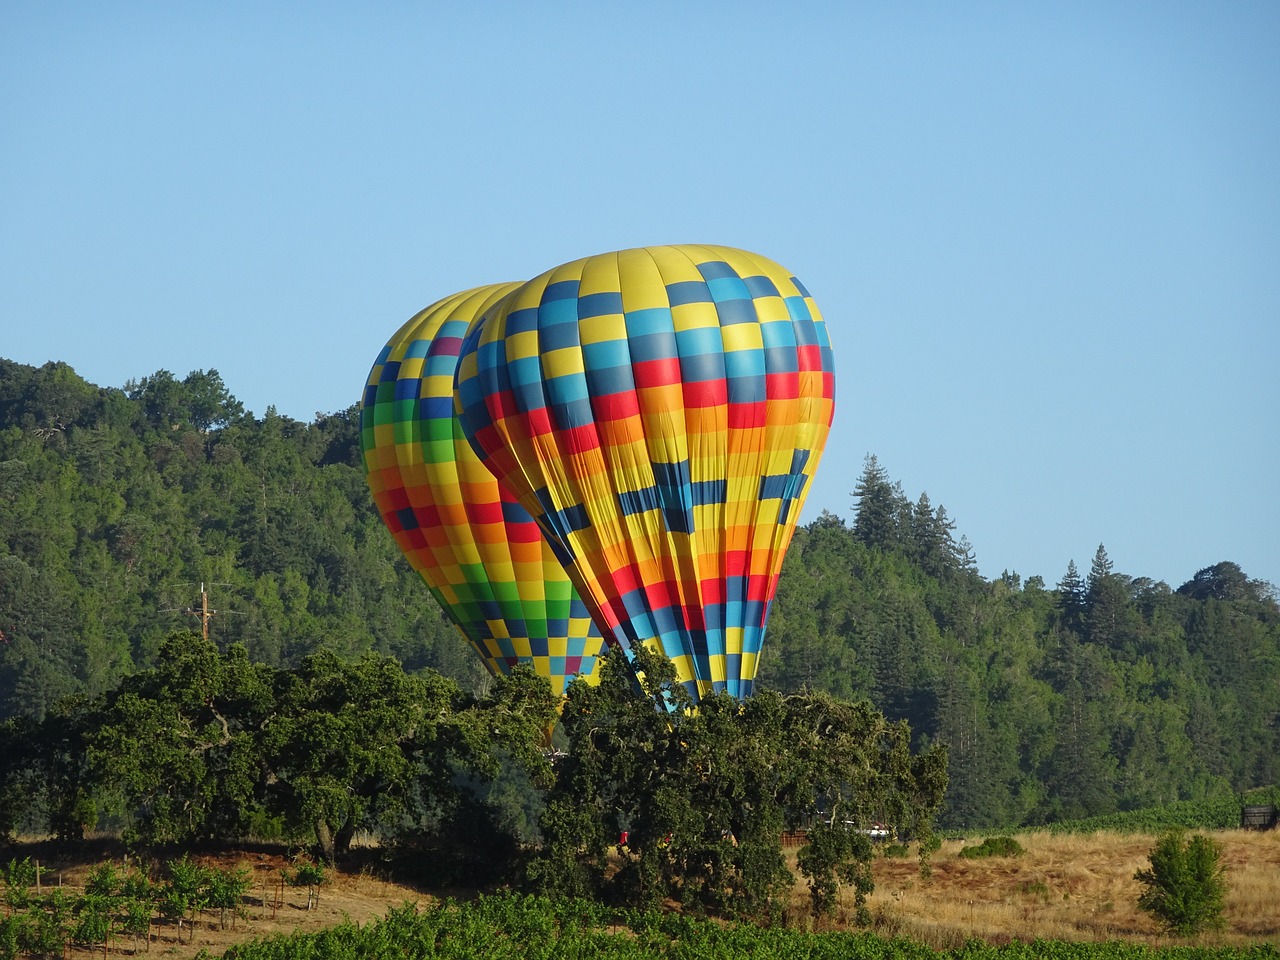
<point x="660" y="412"/>
<point x="479" y="551"/>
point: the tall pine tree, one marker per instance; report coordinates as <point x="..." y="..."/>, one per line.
<point x="877" y="521"/>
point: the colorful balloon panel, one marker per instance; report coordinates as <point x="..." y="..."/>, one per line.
<point x="660" y="412"/>
<point x="480" y="552"/>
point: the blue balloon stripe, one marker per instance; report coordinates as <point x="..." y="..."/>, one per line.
<point x="610" y="353"/>
<point x="434" y="406"/>
<point x="781" y="360"/>
<point x="415" y="350"/>
<point x="702" y="368"/>
<point x="554" y="312"/>
<point x="700" y="341"/>
<point x="566" y="389"/>
<point x="688" y="291"/>
<point x="650" y="321"/>
<point x="659" y="345"/>
<point x="573" y="414"/>
<point x="748" y="389"/>
<point x="557" y="336"/>
<point x="562" y="290"/>
<point x="521" y="321"/>
<point x="407" y="392"/>
<point x="759" y="286"/>
<point x="599" y="305"/>
<point x="606" y="381"/>
<point x="716" y="269"/>
<point x="799" y="310"/>
<point x="726" y="290"/>
<point x="744" y="363"/>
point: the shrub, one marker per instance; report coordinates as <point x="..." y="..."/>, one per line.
<point x="994" y="847"/>
<point x="19" y="877"/>
<point x="311" y="876"/>
<point x="1185" y="886"/>
<point x="226" y="889"/>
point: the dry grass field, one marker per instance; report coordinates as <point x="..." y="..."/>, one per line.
<point x="1067" y="887"/>
<point x="1070" y="887"/>
<point x="355" y="896"/>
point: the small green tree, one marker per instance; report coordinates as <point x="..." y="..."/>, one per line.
<point x="1185" y="886"/>
<point x="311" y="876"/>
<point x="138" y="895"/>
<point x="226" y="890"/>
<point x="185" y="892"/>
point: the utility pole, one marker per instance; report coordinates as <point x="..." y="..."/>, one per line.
<point x="204" y="613"/>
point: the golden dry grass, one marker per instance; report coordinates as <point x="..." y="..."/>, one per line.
<point x="1068" y="887"/>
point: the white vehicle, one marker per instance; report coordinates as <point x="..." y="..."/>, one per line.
<point x="876" y="830"/>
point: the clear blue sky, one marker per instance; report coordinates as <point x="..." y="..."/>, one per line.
<point x="1046" y="236"/>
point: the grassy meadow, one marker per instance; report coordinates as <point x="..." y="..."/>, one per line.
<point x="1064" y="887"/>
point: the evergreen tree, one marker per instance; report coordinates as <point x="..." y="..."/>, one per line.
<point x="1106" y="604"/>
<point x="876" y="524"/>
<point x="1100" y="569"/>
<point x="930" y="541"/>
<point x="1071" y="595"/>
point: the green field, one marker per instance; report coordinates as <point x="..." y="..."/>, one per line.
<point x="526" y="927"/>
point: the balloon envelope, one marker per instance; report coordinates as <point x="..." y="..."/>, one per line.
<point x="479" y="551"/>
<point x="660" y="412"/>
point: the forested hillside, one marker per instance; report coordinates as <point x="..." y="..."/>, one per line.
<point x="1105" y="691"/>
<point x="115" y="505"/>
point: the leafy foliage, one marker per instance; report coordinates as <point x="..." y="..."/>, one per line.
<point x="517" y="927"/>
<point x="1185" y="884"/>
<point x="993" y="847"/>
<point x="208" y="747"/>
<point x="114" y="901"/>
<point x="704" y="796"/>
<point x="834" y="855"/>
<point x="1216" y="813"/>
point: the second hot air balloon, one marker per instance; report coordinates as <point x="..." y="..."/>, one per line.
<point x="660" y="412"/>
<point x="479" y="551"/>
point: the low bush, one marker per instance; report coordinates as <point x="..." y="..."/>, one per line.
<point x="993" y="847"/>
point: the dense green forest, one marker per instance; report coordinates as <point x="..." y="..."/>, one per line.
<point x="1104" y="692"/>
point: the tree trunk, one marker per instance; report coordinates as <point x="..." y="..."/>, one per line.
<point x="324" y="838"/>
<point x="346" y="833"/>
